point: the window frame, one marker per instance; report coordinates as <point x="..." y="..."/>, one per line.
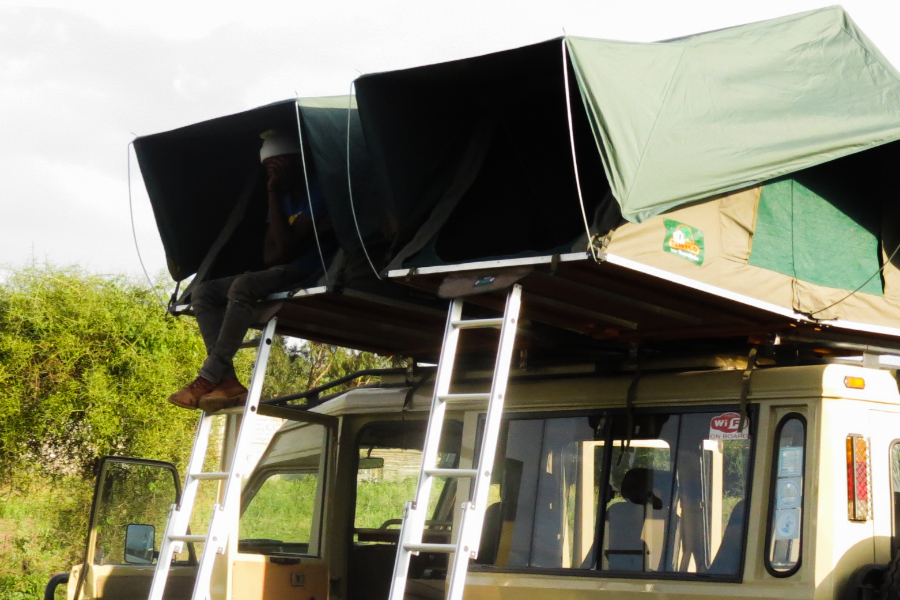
<point x="773" y="477"/>
<point x="738" y="577"/>
<point x="320" y="506"/>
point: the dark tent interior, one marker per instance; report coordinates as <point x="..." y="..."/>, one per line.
<point x="475" y="157"/>
<point x="196" y="176"/>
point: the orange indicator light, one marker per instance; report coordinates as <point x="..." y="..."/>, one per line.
<point x="856" y="383"/>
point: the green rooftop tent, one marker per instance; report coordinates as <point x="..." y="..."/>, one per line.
<point x="752" y="163"/>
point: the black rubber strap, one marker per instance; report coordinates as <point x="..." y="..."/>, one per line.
<point x="745" y="385"/>
<point x="629" y="401"/>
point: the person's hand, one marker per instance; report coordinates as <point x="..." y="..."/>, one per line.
<point x="277" y="170"/>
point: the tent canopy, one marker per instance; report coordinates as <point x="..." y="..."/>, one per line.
<point x="474" y="155"/>
<point x="779" y="133"/>
<point x="196" y="176"/>
<point x="710" y="113"/>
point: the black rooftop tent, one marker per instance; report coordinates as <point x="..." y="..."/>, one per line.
<point x="208" y="193"/>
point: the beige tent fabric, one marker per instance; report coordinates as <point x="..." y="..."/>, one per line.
<point x="727" y="223"/>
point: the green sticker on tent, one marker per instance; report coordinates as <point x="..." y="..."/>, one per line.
<point x="684" y="241"/>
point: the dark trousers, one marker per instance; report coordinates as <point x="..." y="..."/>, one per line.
<point x="225" y="309"/>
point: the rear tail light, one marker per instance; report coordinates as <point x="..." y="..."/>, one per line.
<point x="859" y="505"/>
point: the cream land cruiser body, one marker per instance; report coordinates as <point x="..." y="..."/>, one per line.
<point x="691" y="506"/>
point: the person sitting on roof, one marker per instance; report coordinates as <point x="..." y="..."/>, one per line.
<point x="225" y="307"/>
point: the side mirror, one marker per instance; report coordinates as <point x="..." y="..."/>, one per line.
<point x="371" y="462"/>
<point x="139" y="543"/>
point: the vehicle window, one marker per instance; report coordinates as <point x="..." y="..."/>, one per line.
<point x="895" y="495"/>
<point x="390" y="459"/>
<point x="784" y="542"/>
<point x="581" y="493"/>
<point x="543" y="503"/>
<point x="130" y="493"/>
<point x="282" y="498"/>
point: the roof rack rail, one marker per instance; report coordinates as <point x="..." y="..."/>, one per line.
<point x="312" y="395"/>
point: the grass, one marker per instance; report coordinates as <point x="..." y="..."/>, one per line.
<point x="42" y="532"/>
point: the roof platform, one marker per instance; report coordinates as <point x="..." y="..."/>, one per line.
<point x="402" y="323"/>
<point x="617" y="302"/>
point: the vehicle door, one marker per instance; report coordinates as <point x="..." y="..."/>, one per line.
<point x="132" y="498"/>
<point x="885" y="477"/>
<point x="280" y="547"/>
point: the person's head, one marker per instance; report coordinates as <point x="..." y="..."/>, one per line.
<point x="280" y="154"/>
<point x="277" y="143"/>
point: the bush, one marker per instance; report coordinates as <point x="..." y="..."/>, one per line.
<point x="86" y="364"/>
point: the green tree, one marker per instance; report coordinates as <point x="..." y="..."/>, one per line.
<point x="304" y="365"/>
<point x="86" y="363"/>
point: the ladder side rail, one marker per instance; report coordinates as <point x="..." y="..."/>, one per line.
<point x="217" y="533"/>
<point x="472" y="521"/>
<point x="415" y="513"/>
<point x="180" y="514"/>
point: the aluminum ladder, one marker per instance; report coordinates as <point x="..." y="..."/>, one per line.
<point x="469" y="537"/>
<point x="216" y="536"/>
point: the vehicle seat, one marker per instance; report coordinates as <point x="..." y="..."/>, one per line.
<point x="490" y="534"/>
<point x="627" y="550"/>
<point x="728" y="558"/>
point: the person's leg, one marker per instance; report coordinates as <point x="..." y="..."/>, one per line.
<point x="224" y="333"/>
<point x="245" y="292"/>
<point x="209" y="302"/>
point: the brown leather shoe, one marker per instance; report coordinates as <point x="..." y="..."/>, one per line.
<point x="229" y="392"/>
<point x="189" y="395"/>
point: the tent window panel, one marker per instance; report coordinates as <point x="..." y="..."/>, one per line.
<point x="818" y="230"/>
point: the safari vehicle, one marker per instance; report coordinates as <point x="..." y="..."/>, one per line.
<point x="792" y="505"/>
<point x="703" y="236"/>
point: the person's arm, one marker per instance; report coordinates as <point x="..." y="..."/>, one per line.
<point x="284" y="240"/>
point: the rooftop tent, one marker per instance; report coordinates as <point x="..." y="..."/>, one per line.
<point x="710" y="113"/>
<point x="475" y="159"/>
<point x="772" y="140"/>
<point x="480" y="146"/>
<point x="208" y="192"/>
<point x="197" y="175"/>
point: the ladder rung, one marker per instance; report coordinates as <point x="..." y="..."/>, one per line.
<point x="254" y="343"/>
<point x="451" y="472"/>
<point x="430" y="547"/>
<point x="196" y="539"/>
<point x="477" y="323"/>
<point x="464" y="397"/>
<point x="206" y="476"/>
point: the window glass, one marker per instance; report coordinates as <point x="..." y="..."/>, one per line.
<point x="895" y="495"/>
<point x="131" y="493"/>
<point x="543" y="504"/>
<point x="786" y="507"/>
<point x="282" y="497"/>
<point x="673" y="493"/>
<point x="390" y="459"/>
<point x="639" y="495"/>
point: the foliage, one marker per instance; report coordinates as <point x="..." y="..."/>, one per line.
<point x="86" y="363"/>
<point x="297" y="368"/>
<point x="42" y="532"/>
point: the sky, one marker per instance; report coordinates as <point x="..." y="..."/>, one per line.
<point x="80" y="80"/>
